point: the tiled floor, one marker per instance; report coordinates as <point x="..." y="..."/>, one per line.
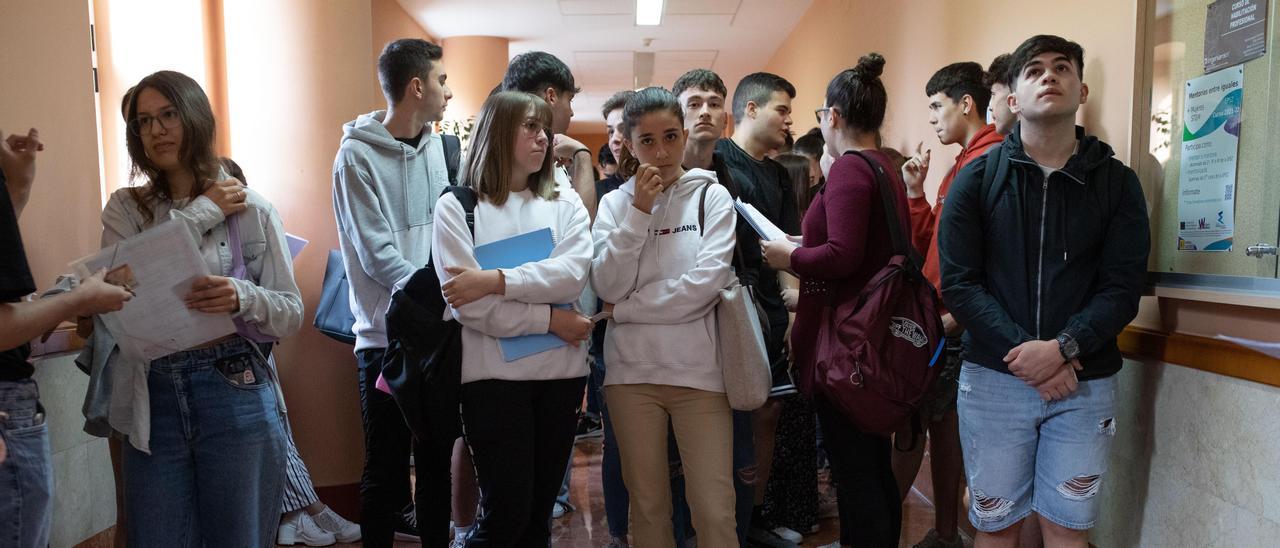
<point x="585" y="528"/>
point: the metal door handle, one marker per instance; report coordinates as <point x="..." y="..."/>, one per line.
<point x="1260" y="250"/>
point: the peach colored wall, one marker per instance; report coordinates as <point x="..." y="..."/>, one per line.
<point x="296" y="71"/>
<point x="46" y="81"/>
<point x="390" y="22"/>
<point x="475" y="65"/>
<point x="917" y="37"/>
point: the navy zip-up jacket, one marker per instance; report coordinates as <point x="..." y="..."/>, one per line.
<point x="1066" y="255"/>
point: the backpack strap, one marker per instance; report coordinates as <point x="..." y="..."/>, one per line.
<point x="467" y="197"/>
<point x="896" y="235"/>
<point x="452" y="156"/>
<point x="238" y="269"/>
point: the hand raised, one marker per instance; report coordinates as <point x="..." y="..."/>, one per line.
<point x="915" y="171"/>
<point x="229" y="195"/>
<point x="649" y="185"/>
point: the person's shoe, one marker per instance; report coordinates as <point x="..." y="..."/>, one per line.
<point x="616" y="542"/>
<point x="788" y="534"/>
<point x="407" y="526"/>
<point x="764" y="538"/>
<point x="343" y="530"/>
<point x="835" y="544"/>
<point x="588" y="427"/>
<point x="298" y="527"/>
<point x="560" y="509"/>
<point x="932" y="540"/>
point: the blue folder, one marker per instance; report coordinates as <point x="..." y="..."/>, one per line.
<point x="510" y="253"/>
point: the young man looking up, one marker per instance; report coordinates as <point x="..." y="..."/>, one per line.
<point x="546" y="76"/>
<point x="762" y="112"/>
<point x="1043" y="262"/>
<point x="388" y="174"/>
<point x="1001" y="116"/>
<point x="957" y="111"/>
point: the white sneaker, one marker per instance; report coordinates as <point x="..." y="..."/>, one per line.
<point x="343" y="530"/>
<point x="835" y="544"/>
<point x="788" y="534"/>
<point x="297" y="527"/>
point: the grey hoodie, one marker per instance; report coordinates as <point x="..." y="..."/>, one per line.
<point x="384" y="197"/>
<point x="664" y="272"/>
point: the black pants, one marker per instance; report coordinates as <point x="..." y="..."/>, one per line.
<point x="384" y="486"/>
<point x="521" y="437"/>
<point x="866" y="493"/>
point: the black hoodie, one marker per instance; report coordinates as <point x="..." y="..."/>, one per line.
<point x="1066" y="255"/>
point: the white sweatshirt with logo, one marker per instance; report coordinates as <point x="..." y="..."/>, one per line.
<point x="531" y="289"/>
<point x="664" y="273"/>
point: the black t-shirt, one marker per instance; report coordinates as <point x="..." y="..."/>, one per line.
<point x="607" y="185"/>
<point x="766" y="185"/>
<point x="412" y="141"/>
<point x="15" y="283"/>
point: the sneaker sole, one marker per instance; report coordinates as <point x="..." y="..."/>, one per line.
<point x="406" y="537"/>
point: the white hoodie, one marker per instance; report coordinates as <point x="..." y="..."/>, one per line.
<point x="531" y="289"/>
<point x="664" y="278"/>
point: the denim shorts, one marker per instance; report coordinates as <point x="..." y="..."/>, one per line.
<point x="1023" y="454"/>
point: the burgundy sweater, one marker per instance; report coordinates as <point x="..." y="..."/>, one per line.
<point x="846" y="241"/>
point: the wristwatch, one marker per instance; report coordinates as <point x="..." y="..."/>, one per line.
<point x="1068" y="347"/>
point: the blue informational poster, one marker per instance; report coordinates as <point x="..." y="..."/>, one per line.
<point x="1210" y="143"/>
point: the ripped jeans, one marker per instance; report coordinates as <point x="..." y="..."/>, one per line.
<point x="1023" y="454"/>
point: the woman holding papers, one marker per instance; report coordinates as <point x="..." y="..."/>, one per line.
<point x="520" y="388"/>
<point x="845" y="244"/>
<point x="205" y="445"/>
<point x="663" y="245"/>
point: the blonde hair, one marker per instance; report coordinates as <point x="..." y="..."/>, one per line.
<point x="489" y="164"/>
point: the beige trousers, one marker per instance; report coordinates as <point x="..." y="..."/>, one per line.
<point x="703" y="425"/>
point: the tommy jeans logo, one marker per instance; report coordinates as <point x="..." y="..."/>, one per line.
<point x="907" y="330"/>
<point x="676" y="230"/>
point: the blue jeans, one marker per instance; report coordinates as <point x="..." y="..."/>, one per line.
<point x="26" y="475"/>
<point x="744" y="466"/>
<point x="1023" y="454"/>
<point x="216" y="472"/>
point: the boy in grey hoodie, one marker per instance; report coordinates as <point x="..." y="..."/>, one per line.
<point x="389" y="171"/>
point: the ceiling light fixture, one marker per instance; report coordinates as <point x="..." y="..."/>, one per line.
<point x="649" y="12"/>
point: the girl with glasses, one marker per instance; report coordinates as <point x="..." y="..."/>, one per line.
<point x="204" y="444"/>
<point x="519" y="414"/>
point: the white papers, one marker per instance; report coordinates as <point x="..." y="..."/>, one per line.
<point x="159" y="266"/>
<point x="1269" y="348"/>
<point x="762" y="225"/>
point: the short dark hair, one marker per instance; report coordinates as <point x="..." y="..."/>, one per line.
<point x="616" y="101"/>
<point x="535" y="71"/>
<point x="860" y="95"/>
<point x="1037" y="45"/>
<point x="605" y="156"/>
<point x="648" y="100"/>
<point x="702" y="79"/>
<point x="756" y="88"/>
<point x="959" y="79"/>
<point x="810" y="144"/>
<point x="402" y="61"/>
<point x="998" y="72"/>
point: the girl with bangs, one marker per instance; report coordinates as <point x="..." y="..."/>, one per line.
<point x="518" y="416"/>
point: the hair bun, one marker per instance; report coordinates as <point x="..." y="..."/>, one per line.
<point x="870" y="65"/>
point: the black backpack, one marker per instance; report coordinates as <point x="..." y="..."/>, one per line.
<point x="423" y="362"/>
